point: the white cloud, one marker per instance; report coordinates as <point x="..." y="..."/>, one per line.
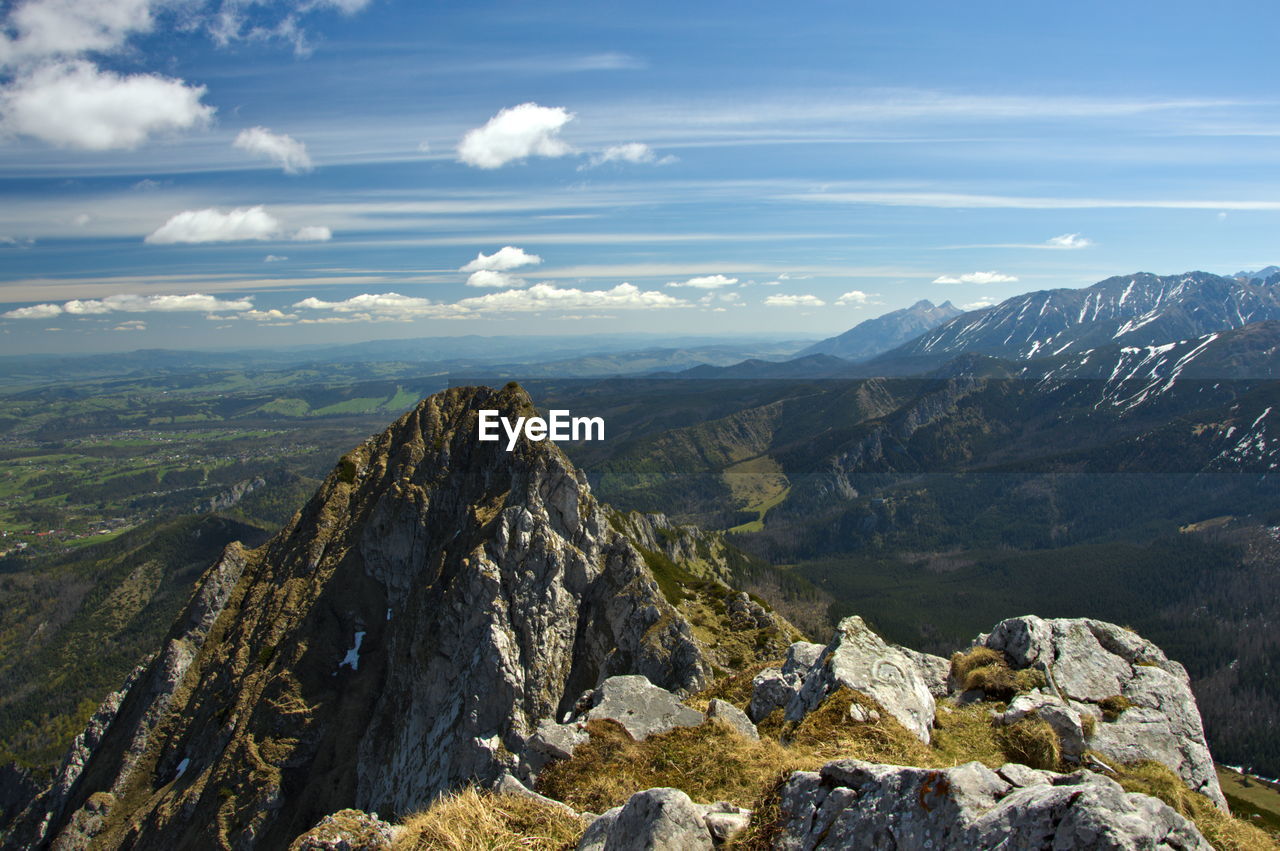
<point x="286" y="151"/>
<point x="131" y="325"/>
<point x="504" y="259"/>
<point x="1069" y="240"/>
<point x="129" y="303"/>
<point x="636" y="153"/>
<point x="212" y="225"/>
<point x="785" y="300"/>
<point x="35" y="311"/>
<point x="489" y="278"/>
<point x="47" y="28"/>
<point x="549" y="297"/>
<point x="274" y="258"/>
<point x="956" y="200"/>
<point x="515" y="134"/>
<point x="706" y="282"/>
<point x="370" y="307"/>
<point x="312" y="233"/>
<point x="268" y="315"/>
<point x="980" y="304"/>
<point x="856" y="298"/>
<point x="76" y="105"/>
<point x="976" y="278"/>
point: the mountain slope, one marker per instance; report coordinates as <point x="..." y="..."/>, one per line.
<point x="403" y="635"/>
<point x="875" y="336"/>
<point x="1129" y="310"/>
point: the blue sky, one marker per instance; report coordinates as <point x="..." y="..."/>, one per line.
<point x="231" y="173"/>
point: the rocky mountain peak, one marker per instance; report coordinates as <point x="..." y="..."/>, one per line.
<point x="403" y="635"/>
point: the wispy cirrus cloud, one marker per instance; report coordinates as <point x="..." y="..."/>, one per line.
<point x="797" y="300"/>
<point x="284" y="150"/>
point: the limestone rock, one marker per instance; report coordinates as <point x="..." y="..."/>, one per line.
<point x="1087" y="661"/>
<point x="346" y="830"/>
<point x="859" y="659"/>
<point x="855" y="804"/>
<point x="662" y="819"/>
<point x="802" y="656"/>
<point x="552" y="741"/>
<point x="734" y="717"/>
<point x="771" y="690"/>
<point x="641" y="707"/>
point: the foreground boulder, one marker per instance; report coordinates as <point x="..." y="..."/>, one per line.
<point x="855" y="804"/>
<point x="347" y="830"/>
<point x="1139" y="701"/>
<point x="859" y="659"/>
<point x="663" y="818"/>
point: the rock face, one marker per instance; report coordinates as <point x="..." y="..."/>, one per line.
<point x="855" y="804"/>
<point x="774" y="688"/>
<point x="406" y="633"/>
<point x="859" y="659"/>
<point x="1088" y="663"/>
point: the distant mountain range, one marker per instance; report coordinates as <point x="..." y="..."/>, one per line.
<point x="1128" y="310"/>
<point x="875" y="336"/>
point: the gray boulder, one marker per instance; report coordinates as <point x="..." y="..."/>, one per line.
<point x="1088" y="661"/>
<point x="734" y="717"/>
<point x="641" y="707"/>
<point x="774" y="688"/>
<point x="652" y="820"/>
<point x="859" y="659"/>
<point x="855" y="804"/>
<point x="551" y="741"/>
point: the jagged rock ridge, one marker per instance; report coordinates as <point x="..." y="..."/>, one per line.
<point x="406" y="633"/>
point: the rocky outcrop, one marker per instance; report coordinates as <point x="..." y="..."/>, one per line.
<point x="855" y="804"/>
<point x="1140" y="701"/>
<point x="774" y="688"/>
<point x="347" y="830"/>
<point x="434" y="603"/>
<point x="664" y="818"/>
<point x="859" y="659"/>
<point x="640" y="707"/>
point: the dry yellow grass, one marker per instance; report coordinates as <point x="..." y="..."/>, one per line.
<point x="471" y="820"/>
<point x="710" y="763"/>
<point x="1223" y="832"/>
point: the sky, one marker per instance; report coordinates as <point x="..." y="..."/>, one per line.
<point x="234" y="173"/>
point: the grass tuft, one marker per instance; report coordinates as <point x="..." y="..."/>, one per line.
<point x="1113" y="707"/>
<point x="470" y="819"/>
<point x="1030" y="741"/>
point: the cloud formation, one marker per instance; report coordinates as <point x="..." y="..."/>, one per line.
<point x="515" y="134"/>
<point x="504" y="259"/>
<point x="1069" y="240"/>
<point x="239" y="225"/>
<point x="635" y="153"/>
<point x="976" y="278"/>
<point x="801" y="300"/>
<point x="855" y="298"/>
<point x="212" y="225"/>
<point x="41" y="29"/>
<point x="129" y="303"/>
<point x="549" y="297"/>
<point x="491" y="270"/>
<point x="285" y="151"/>
<point x="705" y="282"/>
<point x="76" y="105"/>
